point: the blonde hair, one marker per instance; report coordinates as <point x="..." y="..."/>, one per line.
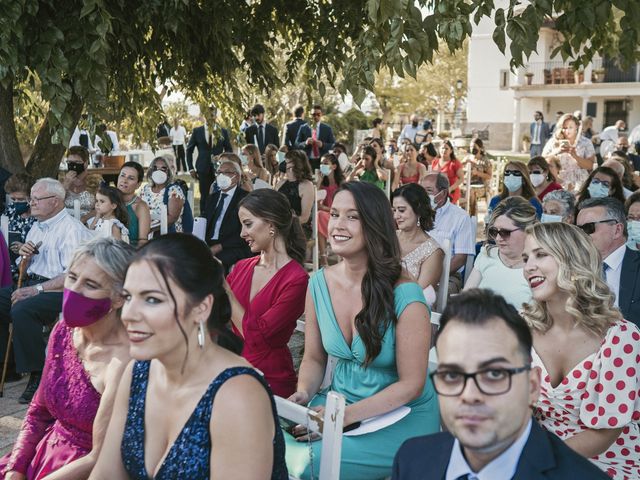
<point x="516" y="209"/>
<point x="590" y="302"/>
<point x="254" y="153"/>
<point x="557" y="132"/>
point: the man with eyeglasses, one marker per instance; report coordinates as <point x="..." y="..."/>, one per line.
<point x="223" y="225"/>
<point x="316" y="139"/>
<point x="486" y="388"/>
<point x="604" y="220"/>
<point x="48" y="248"/>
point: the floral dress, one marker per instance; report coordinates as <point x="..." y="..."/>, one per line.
<point x="156" y="200"/>
<point x="600" y="392"/>
<point x="571" y="175"/>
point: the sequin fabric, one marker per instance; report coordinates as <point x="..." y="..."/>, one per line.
<point x="189" y="455"/>
<point x="413" y="260"/>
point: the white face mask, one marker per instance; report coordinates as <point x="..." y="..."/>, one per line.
<point x="434" y="202"/>
<point x="244" y="159"/>
<point x="223" y="181"/>
<point x="512" y="182"/>
<point x="325" y="169"/>
<point x="548" y="218"/>
<point x="633" y="231"/>
<point x="537" y="179"/>
<point x="159" y="177"/>
<point x="280" y="157"/>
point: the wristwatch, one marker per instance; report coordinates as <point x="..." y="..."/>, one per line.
<point x="39" y="288"/>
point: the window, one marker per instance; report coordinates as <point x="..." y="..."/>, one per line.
<point x="504" y="79"/>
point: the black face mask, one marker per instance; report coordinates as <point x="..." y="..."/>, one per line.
<point x="414" y="124"/>
<point x="474" y="151"/>
<point x="624" y="149"/>
<point x="282" y="167"/>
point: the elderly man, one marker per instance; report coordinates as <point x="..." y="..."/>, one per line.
<point x="623" y="146"/>
<point x="223" y="225"/>
<point x="486" y="387"/>
<point x="451" y="222"/>
<point x="410" y="130"/>
<point x="48" y="248"/>
<point x="603" y="219"/>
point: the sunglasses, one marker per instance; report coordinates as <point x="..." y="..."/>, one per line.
<point x="516" y="173"/>
<point x="505" y="234"/>
<point x="590" y="227"/>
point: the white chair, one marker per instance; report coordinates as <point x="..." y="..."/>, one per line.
<point x="387" y="184"/>
<point x="330" y="427"/>
<point x="315" y="253"/>
<point x="200" y="228"/>
<point x="443" y="286"/>
<point x="433" y="356"/>
<point x="4" y="226"/>
<point x="471" y="258"/>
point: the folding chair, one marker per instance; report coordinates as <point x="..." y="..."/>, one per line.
<point x="329" y="426"/>
<point x="387" y="184"/>
<point x="315" y="252"/>
<point x="443" y="286"/>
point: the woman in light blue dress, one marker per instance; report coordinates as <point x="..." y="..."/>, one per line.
<point x="364" y="312"/>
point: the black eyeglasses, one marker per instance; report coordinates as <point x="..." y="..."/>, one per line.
<point x="590" y="227"/>
<point x="504" y="233"/>
<point x="490" y="381"/>
<point x="516" y="173"/>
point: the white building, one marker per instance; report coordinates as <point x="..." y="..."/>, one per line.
<point x="505" y="101"/>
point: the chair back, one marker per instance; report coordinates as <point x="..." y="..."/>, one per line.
<point x="443" y="286"/>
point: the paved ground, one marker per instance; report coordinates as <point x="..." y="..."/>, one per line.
<point x="11" y="414"/>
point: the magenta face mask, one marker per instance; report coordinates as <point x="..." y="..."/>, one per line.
<point x="81" y="311"/>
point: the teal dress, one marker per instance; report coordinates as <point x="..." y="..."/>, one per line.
<point x="368" y="456"/>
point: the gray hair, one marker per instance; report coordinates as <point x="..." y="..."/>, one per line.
<point x="442" y="182"/>
<point x="52" y="187"/>
<point x="613" y="208"/>
<point x="564" y="198"/>
<point x="111" y="255"/>
<point x="152" y="168"/>
<point x="231" y="162"/>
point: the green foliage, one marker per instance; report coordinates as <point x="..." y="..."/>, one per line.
<point x="344" y="124"/>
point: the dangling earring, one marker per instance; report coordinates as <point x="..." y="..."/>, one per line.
<point x="201" y="334"/>
<point x="272" y="232"/>
<point x="418" y="222"/>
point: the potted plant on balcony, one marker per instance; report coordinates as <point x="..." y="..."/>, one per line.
<point x="526" y="143"/>
<point x="598" y="75"/>
<point x="529" y="77"/>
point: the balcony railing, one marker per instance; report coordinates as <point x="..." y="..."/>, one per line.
<point x="560" y="73"/>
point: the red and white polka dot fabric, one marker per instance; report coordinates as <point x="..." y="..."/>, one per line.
<point x="602" y="391"/>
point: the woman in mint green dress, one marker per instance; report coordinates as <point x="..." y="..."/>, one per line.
<point x="364" y="312"/>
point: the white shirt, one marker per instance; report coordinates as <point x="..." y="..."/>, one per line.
<point x="609" y="133"/>
<point x="60" y="236"/>
<point x="614" y="261"/>
<point x="227" y="201"/>
<point x="114" y="141"/>
<point x="536" y="133"/>
<point x="409" y="132"/>
<point x="502" y="467"/>
<point x="454" y="223"/>
<point x="178" y="135"/>
<point x="75" y="139"/>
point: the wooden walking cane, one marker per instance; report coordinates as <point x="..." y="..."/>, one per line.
<point x="22" y="268"/>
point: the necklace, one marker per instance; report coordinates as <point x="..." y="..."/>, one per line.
<point x="133" y="200"/>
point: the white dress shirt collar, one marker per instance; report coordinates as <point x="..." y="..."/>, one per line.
<point x="503" y="466"/>
<point x="614" y="260"/>
<point x="51" y="222"/>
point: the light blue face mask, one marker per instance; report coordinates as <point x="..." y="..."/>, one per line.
<point x="598" y="190"/>
<point x="633" y="231"/>
<point x="244" y="159"/>
<point x="325" y="170"/>
<point x="548" y="218"/>
<point x="280" y="157"/>
<point x="512" y="183"/>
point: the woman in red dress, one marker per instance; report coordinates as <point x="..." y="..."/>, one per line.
<point x="267" y="292"/>
<point x="448" y="164"/>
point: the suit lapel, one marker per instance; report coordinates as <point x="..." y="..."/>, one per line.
<point x="629" y="278"/>
<point x="232" y="203"/>
<point x="211" y="203"/>
<point x="537" y="455"/>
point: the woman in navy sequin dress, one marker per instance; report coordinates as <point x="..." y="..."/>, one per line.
<point x="190" y="406"/>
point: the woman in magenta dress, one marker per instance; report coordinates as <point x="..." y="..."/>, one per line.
<point x="88" y="349"/>
<point x="267" y="292"/>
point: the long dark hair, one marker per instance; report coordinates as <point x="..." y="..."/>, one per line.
<point x="417" y="198"/>
<point x="115" y="196"/>
<point x="383" y="265"/>
<point x="187" y="261"/>
<point x="301" y="165"/>
<point x="273" y="207"/>
<point x="616" y="185"/>
<point x="528" y="191"/>
<point x="338" y="176"/>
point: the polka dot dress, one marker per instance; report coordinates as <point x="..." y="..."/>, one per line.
<point x="602" y="391"/>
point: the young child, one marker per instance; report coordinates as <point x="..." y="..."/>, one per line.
<point x="111" y="214"/>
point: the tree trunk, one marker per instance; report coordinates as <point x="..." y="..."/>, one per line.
<point x="46" y="156"/>
<point x="10" y="156"/>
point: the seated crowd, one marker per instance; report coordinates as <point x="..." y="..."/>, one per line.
<point x="535" y="371"/>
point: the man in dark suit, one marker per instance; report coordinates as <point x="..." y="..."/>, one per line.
<point x="316" y="139"/>
<point x="261" y="133"/>
<point x="604" y="220"/>
<point x="210" y="139"/>
<point x="223" y="225"/>
<point x="486" y="387"/>
<point x="540" y="133"/>
<point x="291" y="128"/>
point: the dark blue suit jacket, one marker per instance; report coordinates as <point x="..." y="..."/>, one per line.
<point x="270" y="136"/>
<point x="545" y="132"/>
<point x="291" y="132"/>
<point x="544" y="456"/>
<point x="326" y="137"/>
<point x="629" y="293"/>
<point x="203" y="162"/>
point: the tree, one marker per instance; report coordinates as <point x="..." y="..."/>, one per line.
<point x="108" y="56"/>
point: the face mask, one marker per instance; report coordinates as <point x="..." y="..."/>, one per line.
<point x="414" y="124"/>
<point x="624" y="149"/>
<point x="537" y="179"/>
<point x="434" y="202"/>
<point x="325" y="170"/>
<point x="244" y="160"/>
<point x="21" y="207"/>
<point x="474" y="151"/>
<point x="159" y="177"/>
<point x="223" y="181"/>
<point x="597" y="190"/>
<point x="81" y="311"/>
<point x="343" y="160"/>
<point x="280" y="157"/>
<point x="548" y="218"/>
<point x="512" y="183"/>
<point x="633" y="230"/>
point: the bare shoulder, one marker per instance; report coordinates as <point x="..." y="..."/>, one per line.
<point x="241" y="395"/>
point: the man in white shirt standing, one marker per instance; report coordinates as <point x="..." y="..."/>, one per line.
<point x="486" y="387"/>
<point x="49" y="247"/>
<point x="178" y="135"/>
<point x="409" y="131"/>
